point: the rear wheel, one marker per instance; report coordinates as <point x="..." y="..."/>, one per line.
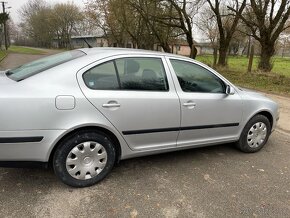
<point x="255" y="134"/>
<point x="84" y="159"/>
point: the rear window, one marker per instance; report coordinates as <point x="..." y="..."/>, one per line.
<point x="35" y="67"/>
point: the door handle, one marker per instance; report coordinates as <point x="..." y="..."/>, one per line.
<point x="189" y="104"/>
<point x="109" y="105"/>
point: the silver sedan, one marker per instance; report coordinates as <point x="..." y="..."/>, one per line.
<point x="82" y="111"/>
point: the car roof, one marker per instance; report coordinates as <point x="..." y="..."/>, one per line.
<point x="110" y="51"/>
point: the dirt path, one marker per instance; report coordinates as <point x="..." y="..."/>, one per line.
<point x="284" y="103"/>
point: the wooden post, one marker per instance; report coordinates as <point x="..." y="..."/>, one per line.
<point x="249" y="47"/>
<point x="251" y="59"/>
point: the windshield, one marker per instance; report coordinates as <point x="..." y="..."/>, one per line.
<point x="35" y="67"/>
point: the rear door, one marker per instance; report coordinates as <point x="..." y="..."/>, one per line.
<point x="136" y="94"/>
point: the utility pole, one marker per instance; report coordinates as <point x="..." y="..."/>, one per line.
<point x="5" y="27"/>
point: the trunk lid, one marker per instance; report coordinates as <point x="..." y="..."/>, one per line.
<point x="4" y="80"/>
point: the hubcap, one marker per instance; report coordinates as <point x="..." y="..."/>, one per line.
<point x="86" y="160"/>
<point x="257" y="135"/>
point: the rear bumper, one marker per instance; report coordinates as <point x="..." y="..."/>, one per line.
<point x="24" y="164"/>
<point x="23" y="147"/>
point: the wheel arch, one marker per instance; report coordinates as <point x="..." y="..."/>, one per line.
<point x="266" y="114"/>
<point x="242" y="143"/>
<point x="263" y="112"/>
<point x="103" y="130"/>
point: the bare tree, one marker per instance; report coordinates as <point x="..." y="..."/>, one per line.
<point x="64" y="18"/>
<point x="227" y="23"/>
<point x="36" y="25"/>
<point x="86" y="27"/>
<point x="151" y="11"/>
<point x="266" y="20"/>
<point x="206" y="22"/>
<point x="103" y="14"/>
<point x="135" y="21"/>
<point x="96" y="11"/>
<point x="44" y="22"/>
<point x="181" y="17"/>
<point x="239" y="41"/>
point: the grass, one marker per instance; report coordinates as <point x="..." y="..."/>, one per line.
<point x="240" y="64"/>
<point x="3" y="54"/>
<point x="278" y="81"/>
<point x="272" y="83"/>
<point x="25" y="50"/>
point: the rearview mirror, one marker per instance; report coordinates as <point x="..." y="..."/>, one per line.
<point x="230" y="90"/>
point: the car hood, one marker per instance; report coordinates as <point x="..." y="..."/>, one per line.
<point x="253" y="94"/>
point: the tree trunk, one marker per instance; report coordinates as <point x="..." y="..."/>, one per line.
<point x="193" y="52"/>
<point x="267" y="51"/>
<point x="215" y="54"/>
<point x="222" y="56"/>
<point x="166" y="47"/>
<point x="249" y="47"/>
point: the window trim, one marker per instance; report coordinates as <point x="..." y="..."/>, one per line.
<point x="223" y="83"/>
<point x="118" y="76"/>
<point x="117" y="73"/>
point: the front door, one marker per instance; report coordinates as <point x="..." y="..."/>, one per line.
<point x="136" y="96"/>
<point x="209" y="115"/>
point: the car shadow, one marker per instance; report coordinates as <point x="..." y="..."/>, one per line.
<point x="41" y="178"/>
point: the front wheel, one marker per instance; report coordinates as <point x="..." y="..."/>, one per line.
<point x="84" y="159"/>
<point x="255" y="134"/>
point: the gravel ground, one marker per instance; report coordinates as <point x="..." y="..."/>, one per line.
<point x="216" y="181"/>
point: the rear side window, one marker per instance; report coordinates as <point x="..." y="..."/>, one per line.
<point x="144" y="74"/>
<point x="35" y="67"/>
<point x="102" y="77"/>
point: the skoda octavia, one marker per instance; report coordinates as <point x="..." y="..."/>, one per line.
<point x="82" y="111"/>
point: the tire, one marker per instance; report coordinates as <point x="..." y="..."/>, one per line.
<point x="84" y="158"/>
<point x="258" y="127"/>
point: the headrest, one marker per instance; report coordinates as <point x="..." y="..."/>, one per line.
<point x="149" y="74"/>
<point x="132" y="66"/>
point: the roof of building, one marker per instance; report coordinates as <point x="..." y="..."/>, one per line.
<point x="87" y="36"/>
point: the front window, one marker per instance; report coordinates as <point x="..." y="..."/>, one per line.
<point x="195" y="78"/>
<point x="35" y="67"/>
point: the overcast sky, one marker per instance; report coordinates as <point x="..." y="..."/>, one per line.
<point x="16" y="5"/>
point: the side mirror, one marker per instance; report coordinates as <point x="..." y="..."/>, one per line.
<point x="230" y="90"/>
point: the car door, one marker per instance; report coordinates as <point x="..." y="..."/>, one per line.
<point x="136" y="94"/>
<point x="209" y="115"/>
